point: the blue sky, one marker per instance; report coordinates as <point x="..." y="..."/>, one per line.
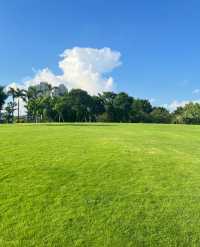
<point x="159" y="41"/>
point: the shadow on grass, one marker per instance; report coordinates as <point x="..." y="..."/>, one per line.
<point x="80" y="125"/>
<point x="64" y="124"/>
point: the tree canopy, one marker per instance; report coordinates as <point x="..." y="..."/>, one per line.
<point x="44" y="103"/>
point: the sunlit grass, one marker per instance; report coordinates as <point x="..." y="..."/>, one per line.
<point x="99" y="185"/>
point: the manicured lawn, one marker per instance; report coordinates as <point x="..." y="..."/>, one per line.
<point x="99" y="185"/>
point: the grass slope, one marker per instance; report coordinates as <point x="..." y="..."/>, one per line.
<point x="99" y="185"/>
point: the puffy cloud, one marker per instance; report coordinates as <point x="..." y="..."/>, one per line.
<point x="44" y="75"/>
<point x="85" y="68"/>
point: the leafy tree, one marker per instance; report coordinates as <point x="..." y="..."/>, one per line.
<point x="177" y="116"/>
<point x="45" y="108"/>
<point x="160" y="115"/>
<point x="45" y="103"/>
<point x="108" y="101"/>
<point x="140" y="111"/>
<point x="97" y="108"/>
<point x="191" y="113"/>
<point x="3" y="97"/>
<point x="81" y="104"/>
<point x="12" y="93"/>
<point x="32" y="102"/>
<point x="122" y="104"/>
<point x="9" y="110"/>
<point x="58" y="107"/>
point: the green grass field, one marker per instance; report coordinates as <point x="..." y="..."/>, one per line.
<point x="99" y="185"/>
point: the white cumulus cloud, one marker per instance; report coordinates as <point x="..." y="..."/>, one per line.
<point x="85" y="68"/>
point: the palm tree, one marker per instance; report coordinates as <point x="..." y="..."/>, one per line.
<point x="3" y="97"/>
<point x="32" y="102"/>
<point x="12" y="93"/>
<point x="19" y="93"/>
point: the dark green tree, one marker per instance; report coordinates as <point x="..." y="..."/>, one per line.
<point x="81" y="104"/>
<point x="108" y="101"/>
<point x="160" y="115"/>
<point x="9" y="111"/>
<point x="122" y="104"/>
<point x="140" y="111"/>
<point x="3" y="97"/>
<point x="97" y="108"/>
<point x="12" y="93"/>
<point x="32" y="104"/>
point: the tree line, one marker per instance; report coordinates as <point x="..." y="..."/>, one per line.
<point x="45" y="104"/>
